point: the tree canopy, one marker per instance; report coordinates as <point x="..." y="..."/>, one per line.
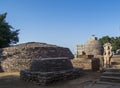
<point x="115" y="41"/>
<point x="8" y="35"/>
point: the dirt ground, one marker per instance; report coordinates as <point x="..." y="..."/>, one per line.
<point x="11" y="80"/>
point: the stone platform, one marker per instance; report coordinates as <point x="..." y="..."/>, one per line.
<point x="19" y="57"/>
<point x="45" y="78"/>
<point x="49" y="70"/>
<point x="111" y="75"/>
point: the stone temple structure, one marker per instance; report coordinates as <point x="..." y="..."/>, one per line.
<point x="92" y="47"/>
<point x="19" y="57"/>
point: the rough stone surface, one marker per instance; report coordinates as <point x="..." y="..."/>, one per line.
<point x="87" y="64"/>
<point x="50" y="70"/>
<point x="92" y="47"/>
<point x="50" y="64"/>
<point x="45" y="78"/>
<point x="19" y="57"/>
<point x="14" y="65"/>
<point x="82" y="63"/>
<point x="95" y="64"/>
<point x="115" y="62"/>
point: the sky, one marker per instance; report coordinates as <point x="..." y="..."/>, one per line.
<point x="62" y="22"/>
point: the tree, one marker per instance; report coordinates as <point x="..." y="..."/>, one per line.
<point x="115" y="41"/>
<point x="105" y="39"/>
<point x="8" y="35"/>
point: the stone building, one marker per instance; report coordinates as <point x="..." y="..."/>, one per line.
<point x="92" y="47"/>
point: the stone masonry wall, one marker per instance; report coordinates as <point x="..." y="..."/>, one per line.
<point x="19" y="57"/>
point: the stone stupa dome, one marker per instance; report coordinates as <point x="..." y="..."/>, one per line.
<point x="93" y="46"/>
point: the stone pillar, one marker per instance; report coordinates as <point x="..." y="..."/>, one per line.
<point x="107" y="55"/>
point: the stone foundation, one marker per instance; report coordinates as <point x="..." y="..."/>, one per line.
<point x="45" y="78"/>
<point x="87" y="64"/>
<point x="48" y="70"/>
<point x="82" y="63"/>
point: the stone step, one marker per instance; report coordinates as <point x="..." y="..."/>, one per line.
<point x="112" y="70"/>
<point x="107" y="83"/>
<point x="115" y="59"/>
<point x="110" y="79"/>
<point x="116" y="66"/>
<point x="116" y="74"/>
<point x="111" y="75"/>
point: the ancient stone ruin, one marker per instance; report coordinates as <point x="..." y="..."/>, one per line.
<point x="107" y="55"/>
<point x="112" y="74"/>
<point x="19" y="57"/>
<point x="110" y="77"/>
<point x="49" y="70"/>
<point x="92" y="47"/>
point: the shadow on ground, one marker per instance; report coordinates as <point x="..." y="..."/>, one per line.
<point x="13" y="81"/>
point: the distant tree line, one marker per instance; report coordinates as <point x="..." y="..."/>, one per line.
<point x="8" y="35"/>
<point x="115" y="41"/>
